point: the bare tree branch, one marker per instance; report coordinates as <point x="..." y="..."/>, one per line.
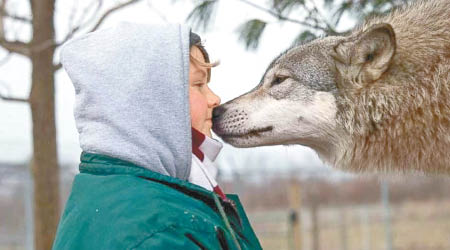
<point x="340" y="12"/>
<point x="13" y="99"/>
<point x="330" y="28"/>
<point x="15" y="17"/>
<point x="284" y="18"/>
<point x="2" y="26"/>
<point x="11" y="46"/>
<point x="159" y="13"/>
<point x="82" y="25"/>
<point x="5" y="59"/>
<point x="71" y="33"/>
<point x="57" y="67"/>
<point x="72" y="15"/>
<point x="17" y="47"/>
<point x="92" y="18"/>
<point x="112" y="10"/>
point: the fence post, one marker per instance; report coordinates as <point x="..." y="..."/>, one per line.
<point x="387" y="214"/>
<point x="365" y="228"/>
<point x="315" y="224"/>
<point x="295" y="218"/>
<point x="29" y="217"/>
<point x="343" y="227"/>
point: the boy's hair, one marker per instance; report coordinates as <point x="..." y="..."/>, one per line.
<point x="195" y="40"/>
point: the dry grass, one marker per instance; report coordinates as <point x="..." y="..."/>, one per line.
<point x="415" y="225"/>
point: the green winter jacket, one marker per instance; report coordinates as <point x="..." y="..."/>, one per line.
<point x="115" y="204"/>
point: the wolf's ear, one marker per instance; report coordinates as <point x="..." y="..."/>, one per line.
<point x="365" y="57"/>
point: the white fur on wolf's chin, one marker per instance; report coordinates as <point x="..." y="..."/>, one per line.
<point x="318" y="122"/>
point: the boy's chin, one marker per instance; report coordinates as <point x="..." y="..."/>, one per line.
<point x="207" y="128"/>
<point x="207" y="132"/>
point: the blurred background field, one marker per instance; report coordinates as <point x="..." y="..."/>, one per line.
<point x="336" y="212"/>
<point x="416" y="225"/>
<point x="351" y="213"/>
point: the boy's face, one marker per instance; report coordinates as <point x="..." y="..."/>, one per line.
<point x="202" y="100"/>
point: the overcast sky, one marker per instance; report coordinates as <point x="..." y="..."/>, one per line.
<point x="239" y="71"/>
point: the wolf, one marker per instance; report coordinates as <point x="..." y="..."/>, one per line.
<point x="375" y="99"/>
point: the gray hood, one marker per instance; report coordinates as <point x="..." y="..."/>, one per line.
<point x="132" y="99"/>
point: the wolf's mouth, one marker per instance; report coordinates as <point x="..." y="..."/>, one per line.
<point x="250" y="133"/>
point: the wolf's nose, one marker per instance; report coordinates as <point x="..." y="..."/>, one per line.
<point x="217" y="112"/>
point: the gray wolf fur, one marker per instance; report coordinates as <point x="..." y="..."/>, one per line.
<point x="376" y="99"/>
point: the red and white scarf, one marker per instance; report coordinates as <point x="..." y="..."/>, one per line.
<point x="203" y="170"/>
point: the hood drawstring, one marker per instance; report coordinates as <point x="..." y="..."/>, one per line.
<point x="225" y="220"/>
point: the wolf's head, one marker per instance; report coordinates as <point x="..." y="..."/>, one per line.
<point x="298" y="100"/>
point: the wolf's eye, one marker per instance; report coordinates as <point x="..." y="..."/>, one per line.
<point x="278" y="80"/>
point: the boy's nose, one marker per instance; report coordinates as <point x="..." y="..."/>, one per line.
<point x="213" y="99"/>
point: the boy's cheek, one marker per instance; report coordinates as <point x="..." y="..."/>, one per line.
<point x="198" y="106"/>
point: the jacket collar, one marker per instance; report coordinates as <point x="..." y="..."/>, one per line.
<point x="204" y="146"/>
<point x="97" y="164"/>
<point x="105" y="165"/>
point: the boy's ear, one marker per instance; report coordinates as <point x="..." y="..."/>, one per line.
<point x="366" y="56"/>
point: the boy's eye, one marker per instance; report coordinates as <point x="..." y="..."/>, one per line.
<point x="199" y="84"/>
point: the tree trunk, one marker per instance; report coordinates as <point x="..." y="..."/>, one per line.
<point x="45" y="170"/>
<point x="315" y="225"/>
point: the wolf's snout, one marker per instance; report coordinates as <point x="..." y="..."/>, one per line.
<point x="218" y="112"/>
<point x="227" y="120"/>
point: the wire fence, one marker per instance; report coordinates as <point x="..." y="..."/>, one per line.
<point x="414" y="225"/>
